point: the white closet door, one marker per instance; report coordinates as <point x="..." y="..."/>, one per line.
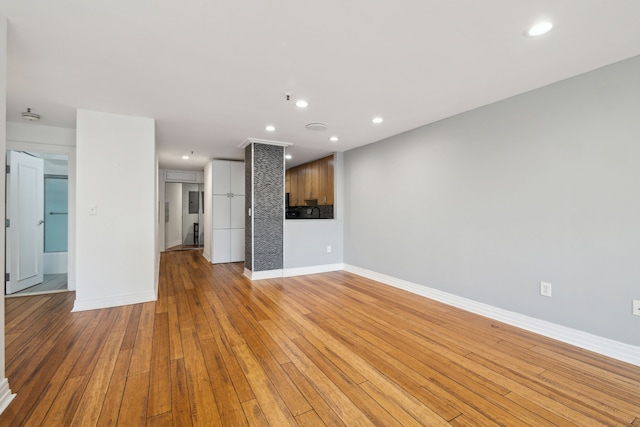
<point x="237" y="177"/>
<point x="221" y="246"/>
<point x="237" y="211"/>
<point x="221" y="177"/>
<point x="221" y="211"/>
<point x="237" y="245"/>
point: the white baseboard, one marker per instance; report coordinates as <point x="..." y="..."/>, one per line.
<point x="113" y="301"/>
<point x="314" y="269"/>
<point x="260" y="275"/>
<point x="290" y="272"/>
<point x="206" y="256"/>
<point x="5" y="395"/>
<point x="607" y="347"/>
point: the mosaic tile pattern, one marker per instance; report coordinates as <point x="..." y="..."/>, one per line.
<point x="264" y="185"/>
<point x="268" y="207"/>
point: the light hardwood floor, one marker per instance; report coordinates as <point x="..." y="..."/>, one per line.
<point x="331" y="349"/>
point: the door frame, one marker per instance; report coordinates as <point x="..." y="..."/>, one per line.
<point x="70" y="151"/>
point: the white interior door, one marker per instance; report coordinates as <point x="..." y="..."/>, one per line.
<point x="25" y="211"/>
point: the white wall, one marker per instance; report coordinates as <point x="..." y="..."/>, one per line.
<point x="487" y="204"/>
<point x="306" y="240"/>
<point x="208" y="206"/>
<point x="5" y="392"/>
<point x="116" y="259"/>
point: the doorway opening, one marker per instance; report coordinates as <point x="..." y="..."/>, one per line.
<point x="184" y="216"/>
<point x="37" y="195"/>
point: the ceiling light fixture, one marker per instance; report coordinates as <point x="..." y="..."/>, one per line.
<point x="540" y="28"/>
<point x="29" y="116"/>
<point x="301" y="103"/>
<point x="270" y="128"/>
<point x="334" y="139"/>
<point x="185" y="157"/>
<point x="377" y="120"/>
<point x="288" y="157"/>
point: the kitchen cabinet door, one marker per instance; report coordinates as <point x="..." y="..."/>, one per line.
<point x="221" y="246"/>
<point x="221" y="211"/>
<point x="287" y="181"/>
<point x="236" y="171"/>
<point x="302" y="179"/>
<point x="221" y="177"/>
<point x="329" y="180"/>
<point x="312" y="186"/>
<point x="322" y="181"/>
<point x="237" y="245"/>
<point x="237" y="211"/>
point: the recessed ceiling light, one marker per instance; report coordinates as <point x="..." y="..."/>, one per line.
<point x="185" y="157"/>
<point x="270" y="128"/>
<point x="301" y="103"/>
<point x="334" y="139"/>
<point x="377" y="120"/>
<point x="288" y="157"/>
<point x="540" y="28"/>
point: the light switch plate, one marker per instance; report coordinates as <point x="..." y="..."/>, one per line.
<point x="636" y="307"/>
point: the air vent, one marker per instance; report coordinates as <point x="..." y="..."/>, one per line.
<point x="316" y="126"/>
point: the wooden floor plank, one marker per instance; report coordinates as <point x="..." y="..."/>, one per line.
<point x="160" y="379"/>
<point x="115" y="393"/>
<point x="63" y="409"/>
<point x="180" y="404"/>
<point x="329" y="349"/>
<point x="94" y="394"/>
<point x="133" y="411"/>
<point x="204" y="410"/>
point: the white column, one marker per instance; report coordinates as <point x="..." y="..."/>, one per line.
<point x="116" y="210"/>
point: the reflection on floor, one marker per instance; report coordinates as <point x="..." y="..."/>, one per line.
<point x="52" y="283"/>
<point x="183" y="248"/>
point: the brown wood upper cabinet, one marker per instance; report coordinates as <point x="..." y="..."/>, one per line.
<point x="313" y="180"/>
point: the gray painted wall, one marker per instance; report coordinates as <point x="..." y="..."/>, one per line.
<point x="539" y="187"/>
<point x="306" y="241"/>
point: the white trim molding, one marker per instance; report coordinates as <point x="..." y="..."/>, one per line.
<point x="314" y="269"/>
<point x="249" y="141"/>
<point x="113" y="301"/>
<point x="260" y="275"/>
<point x="291" y="272"/>
<point x="607" y="347"/>
<point x="5" y="395"/>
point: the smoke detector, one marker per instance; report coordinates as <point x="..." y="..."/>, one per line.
<point x="29" y="116"/>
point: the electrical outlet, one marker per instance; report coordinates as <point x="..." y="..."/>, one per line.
<point x="545" y="289"/>
<point x="93" y="210"/>
<point x="636" y="307"/>
<point x="328" y="249"/>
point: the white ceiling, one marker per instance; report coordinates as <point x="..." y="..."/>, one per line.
<point x="213" y="73"/>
